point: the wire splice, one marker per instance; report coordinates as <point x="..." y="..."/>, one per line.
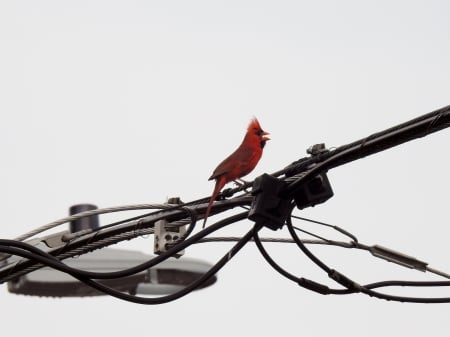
<point x="398" y="258"/>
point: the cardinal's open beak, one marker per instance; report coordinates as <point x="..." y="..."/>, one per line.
<point x="265" y="135"/>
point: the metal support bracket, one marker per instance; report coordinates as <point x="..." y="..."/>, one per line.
<point x="166" y="234"/>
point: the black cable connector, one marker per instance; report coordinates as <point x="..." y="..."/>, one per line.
<point x="313" y="192"/>
<point x="269" y="209"/>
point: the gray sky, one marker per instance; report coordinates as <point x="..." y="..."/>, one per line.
<point x="123" y="102"/>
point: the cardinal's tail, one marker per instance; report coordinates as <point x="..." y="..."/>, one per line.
<point x="220" y="183"/>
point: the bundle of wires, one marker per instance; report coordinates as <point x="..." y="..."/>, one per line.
<point x="293" y="177"/>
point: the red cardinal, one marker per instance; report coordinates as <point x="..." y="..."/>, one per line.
<point x="241" y="162"/>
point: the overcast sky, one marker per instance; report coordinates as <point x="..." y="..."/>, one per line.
<point x="125" y="102"/>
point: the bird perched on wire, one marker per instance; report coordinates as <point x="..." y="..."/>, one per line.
<point x="241" y="162"/>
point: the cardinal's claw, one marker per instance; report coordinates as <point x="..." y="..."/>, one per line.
<point x="240" y="183"/>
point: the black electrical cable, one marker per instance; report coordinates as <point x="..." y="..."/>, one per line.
<point x="325" y="290"/>
<point x="355" y="287"/>
<point x="301" y="281"/>
<point x="271" y="262"/>
<point x="387" y="297"/>
<point x="305" y="250"/>
<point x="415" y="128"/>
<point x="399" y="283"/>
<point x="378" y="142"/>
<point x="25" y="250"/>
<point x="109" y="275"/>
<point x="38" y="256"/>
<point x="24" y="246"/>
<point x="53" y="262"/>
<point x="191" y="226"/>
<point x="143" y="266"/>
<point x="194" y="285"/>
<point x="333" y="274"/>
<point x="78" y="243"/>
<point x="76" y="272"/>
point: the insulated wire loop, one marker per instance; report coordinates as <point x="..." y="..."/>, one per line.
<point x="113" y="234"/>
<point x="352" y="286"/>
<point x="30" y="252"/>
<point x="160" y="258"/>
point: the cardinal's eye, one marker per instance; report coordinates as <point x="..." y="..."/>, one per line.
<point x="258" y="132"/>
